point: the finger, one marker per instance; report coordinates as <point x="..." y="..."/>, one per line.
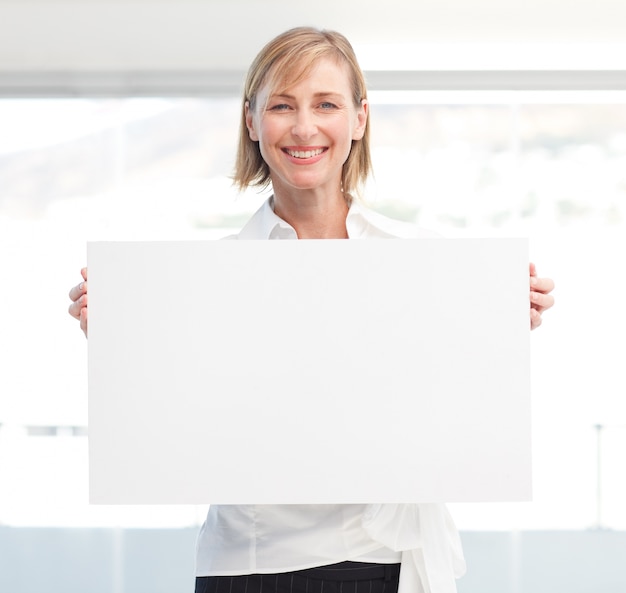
<point x="541" y="301"/>
<point x="532" y="269"/>
<point x="77" y="291"/>
<point x="83" y="320"/>
<point x="77" y="306"/>
<point x="83" y="273"/>
<point x="544" y="285"/>
<point x="535" y="319"/>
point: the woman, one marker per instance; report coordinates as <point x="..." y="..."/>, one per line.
<point x="304" y="130"/>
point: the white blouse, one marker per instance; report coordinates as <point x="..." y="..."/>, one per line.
<point x="246" y="539"/>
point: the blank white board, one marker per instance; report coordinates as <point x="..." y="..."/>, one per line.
<point x="309" y="371"/>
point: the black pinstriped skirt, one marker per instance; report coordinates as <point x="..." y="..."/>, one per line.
<point x="345" y="577"/>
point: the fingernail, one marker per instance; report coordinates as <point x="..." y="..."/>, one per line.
<point x="533" y="281"/>
<point x="81" y="286"/>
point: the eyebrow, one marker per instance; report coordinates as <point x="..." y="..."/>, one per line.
<point x="316" y="95"/>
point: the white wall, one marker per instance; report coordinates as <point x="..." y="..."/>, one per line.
<point x="171" y="35"/>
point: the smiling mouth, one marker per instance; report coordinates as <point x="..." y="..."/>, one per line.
<point x="304" y="154"/>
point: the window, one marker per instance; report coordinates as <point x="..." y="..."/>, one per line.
<point x="548" y="166"/>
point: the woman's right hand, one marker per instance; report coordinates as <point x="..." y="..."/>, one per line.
<point x="78" y="308"/>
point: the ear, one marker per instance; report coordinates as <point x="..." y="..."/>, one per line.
<point x="361" y="120"/>
<point x="250" y="122"/>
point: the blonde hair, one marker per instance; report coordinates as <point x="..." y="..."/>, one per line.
<point x="290" y="56"/>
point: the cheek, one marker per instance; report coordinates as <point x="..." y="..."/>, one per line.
<point x="270" y="134"/>
<point x="263" y="151"/>
<point x="266" y="140"/>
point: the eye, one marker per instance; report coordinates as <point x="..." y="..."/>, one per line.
<point x="279" y="107"/>
<point x="327" y="105"/>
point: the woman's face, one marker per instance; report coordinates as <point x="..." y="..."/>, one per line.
<point x="305" y="131"/>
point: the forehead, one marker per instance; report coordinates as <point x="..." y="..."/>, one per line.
<point x="326" y="74"/>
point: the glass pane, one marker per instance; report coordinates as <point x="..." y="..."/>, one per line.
<point x="78" y="170"/>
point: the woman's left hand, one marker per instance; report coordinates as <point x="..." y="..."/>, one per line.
<point x="540" y="297"/>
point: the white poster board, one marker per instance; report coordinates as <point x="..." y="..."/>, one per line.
<point x="309" y="371"/>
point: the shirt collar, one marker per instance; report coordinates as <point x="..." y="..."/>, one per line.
<point x="265" y="224"/>
<point x="361" y="222"/>
<point x="357" y="222"/>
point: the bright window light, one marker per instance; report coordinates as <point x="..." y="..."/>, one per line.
<point x="548" y="166"/>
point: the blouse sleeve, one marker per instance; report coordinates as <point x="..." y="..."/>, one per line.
<point x="432" y="555"/>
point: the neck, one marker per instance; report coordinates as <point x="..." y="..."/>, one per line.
<point x="313" y="215"/>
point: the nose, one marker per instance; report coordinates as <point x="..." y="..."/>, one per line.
<point x="304" y="126"/>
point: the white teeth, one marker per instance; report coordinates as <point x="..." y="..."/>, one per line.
<point x="305" y="154"/>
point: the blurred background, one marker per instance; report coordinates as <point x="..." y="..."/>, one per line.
<point x="99" y="143"/>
